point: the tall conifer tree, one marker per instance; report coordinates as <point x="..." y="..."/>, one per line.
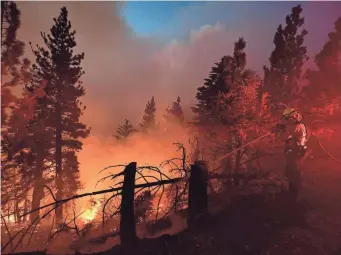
<point x="148" y="119"/>
<point x="282" y="77"/>
<point x="62" y="68"/>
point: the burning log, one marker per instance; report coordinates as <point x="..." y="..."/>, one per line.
<point x="197" y="194"/>
<point x="127" y="223"/>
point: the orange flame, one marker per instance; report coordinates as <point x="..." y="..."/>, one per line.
<point x="90" y="213"/>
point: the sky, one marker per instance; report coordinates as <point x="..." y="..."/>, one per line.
<point x="136" y="50"/>
<point x="149" y="18"/>
<point x="175" y="19"/>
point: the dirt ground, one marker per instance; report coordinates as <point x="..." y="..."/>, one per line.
<point x="280" y="226"/>
<point x="312" y="225"/>
<point x="309" y="226"/>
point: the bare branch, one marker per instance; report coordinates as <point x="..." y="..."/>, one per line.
<point x="183" y="161"/>
<point x="7" y="230"/>
<point x="54" y="198"/>
<point x="63" y="227"/>
<point x="155" y="169"/>
<point x="63" y="201"/>
<point x="112" y="167"/>
<point x="147" y="176"/>
<point x="36" y="221"/>
<point x="142" y="176"/>
<point x="116" y="212"/>
<point x="168" y="161"/>
<point x="182" y="193"/>
<point x="157" y="188"/>
<point x="106" y="203"/>
<point x="50" y="234"/>
<point x="74" y="222"/>
<point x="29" y="241"/>
<point x="13" y="237"/>
<point x="158" y="203"/>
<point x="112" y="176"/>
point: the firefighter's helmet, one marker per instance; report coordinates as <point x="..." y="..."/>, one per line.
<point x="291" y="113"/>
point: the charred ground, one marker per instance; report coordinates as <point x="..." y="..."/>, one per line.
<point x="262" y="225"/>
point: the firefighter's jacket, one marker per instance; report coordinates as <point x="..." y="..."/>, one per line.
<point x="296" y="130"/>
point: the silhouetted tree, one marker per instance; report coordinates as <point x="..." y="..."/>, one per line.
<point x="286" y="61"/>
<point x="11" y="48"/>
<point x="211" y="102"/>
<point x="246" y="112"/>
<point x="71" y="173"/>
<point x="27" y="151"/>
<point x="13" y="70"/>
<point x="125" y="130"/>
<point x="242" y="108"/>
<point x="207" y="95"/>
<point x="175" y="113"/>
<point x="325" y="82"/>
<point x="148" y="120"/>
<point x="62" y="68"/>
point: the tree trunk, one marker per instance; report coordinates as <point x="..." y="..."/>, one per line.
<point x="228" y="161"/>
<point x="238" y="161"/>
<point x="16" y="208"/>
<point x="2" y="18"/>
<point x="38" y="186"/>
<point x="15" y="199"/>
<point x="127" y="223"/>
<point x="59" y="180"/>
<point x="36" y="197"/>
<point x="26" y="208"/>
<point x="197" y="194"/>
<point x="258" y="161"/>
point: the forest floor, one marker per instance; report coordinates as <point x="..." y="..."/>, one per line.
<point x="309" y="226"/>
<point x="279" y="226"/>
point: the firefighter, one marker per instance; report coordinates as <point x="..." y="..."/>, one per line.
<point x="291" y="126"/>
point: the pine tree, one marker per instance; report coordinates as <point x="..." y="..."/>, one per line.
<point x="28" y="150"/>
<point x="175" y="113"/>
<point x="125" y="130"/>
<point x="325" y="82"/>
<point x="214" y="104"/>
<point x="13" y="70"/>
<point x="148" y="120"/>
<point x="207" y="95"/>
<point x="11" y="48"/>
<point x="286" y="60"/>
<point x="62" y="68"/>
<point x="71" y="173"/>
<point x="26" y="144"/>
<point x="211" y="102"/>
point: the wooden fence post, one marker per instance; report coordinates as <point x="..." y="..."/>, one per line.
<point x="127" y="222"/>
<point x="197" y="193"/>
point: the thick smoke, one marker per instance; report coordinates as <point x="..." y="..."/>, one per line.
<point x="123" y="71"/>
